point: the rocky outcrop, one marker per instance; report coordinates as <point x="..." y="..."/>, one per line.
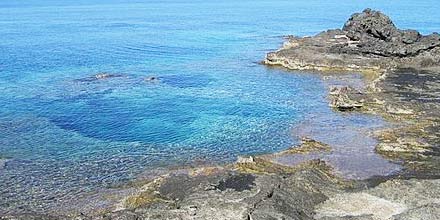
<point x="404" y="87"/>
<point x="345" y="98"/>
<point x="377" y="35"/>
<point x="369" y="41"/>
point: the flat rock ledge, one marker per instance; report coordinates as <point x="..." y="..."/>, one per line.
<point x="259" y="189"/>
<point x="369" y="41"/>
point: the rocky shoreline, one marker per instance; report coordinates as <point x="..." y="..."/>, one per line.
<point x="403" y="87"/>
<point x="368" y="42"/>
<point x="403" y="84"/>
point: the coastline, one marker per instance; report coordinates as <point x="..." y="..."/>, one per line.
<point x="401" y="68"/>
<point x="322" y="194"/>
<point x="257" y="188"/>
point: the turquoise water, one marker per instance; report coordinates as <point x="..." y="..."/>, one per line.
<point x="65" y="132"/>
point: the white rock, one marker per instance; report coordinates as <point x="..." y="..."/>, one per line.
<point x="249" y="159"/>
<point x="359" y="204"/>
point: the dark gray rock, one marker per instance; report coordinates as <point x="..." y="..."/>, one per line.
<point x="370" y="24"/>
<point x="378" y="35"/>
<point x="237" y="182"/>
<point x="369" y="41"/>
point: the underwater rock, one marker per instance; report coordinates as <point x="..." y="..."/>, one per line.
<point x="107" y="75"/>
<point x="151" y="79"/>
<point x="3" y="163"/>
<point x="307" y="146"/>
<point x="100" y="76"/>
<point x="103" y="75"/>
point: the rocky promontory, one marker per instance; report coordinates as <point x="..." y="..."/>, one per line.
<point x="403" y="87"/>
<point x="368" y="41"/>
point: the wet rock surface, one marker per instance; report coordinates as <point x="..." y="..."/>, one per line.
<point x="411" y="100"/>
<point x="369" y="41"/>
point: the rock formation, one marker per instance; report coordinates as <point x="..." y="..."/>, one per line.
<point x="345" y="98"/>
<point x="369" y="41"/>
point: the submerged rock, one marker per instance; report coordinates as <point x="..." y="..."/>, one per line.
<point x="369" y="41"/>
<point x="3" y="163"/>
<point x="100" y="76"/>
<point x="307" y="146"/>
<point x="128" y="79"/>
<point x="151" y="79"/>
<point x="103" y="75"/>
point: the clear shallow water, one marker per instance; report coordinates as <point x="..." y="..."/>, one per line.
<point x="66" y="134"/>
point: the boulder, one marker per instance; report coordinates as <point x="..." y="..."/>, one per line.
<point x="370" y="24"/>
<point x="345" y="98"/>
